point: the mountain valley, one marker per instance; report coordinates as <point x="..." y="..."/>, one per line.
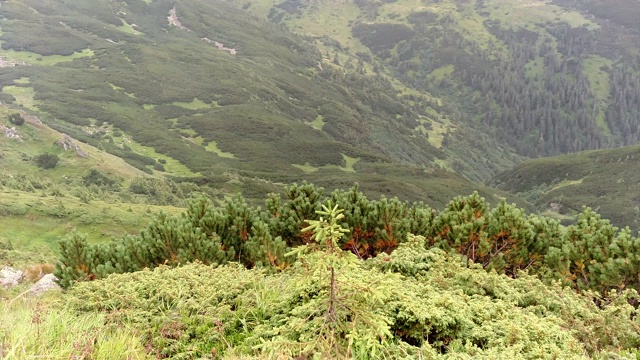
<point x="455" y="136"/>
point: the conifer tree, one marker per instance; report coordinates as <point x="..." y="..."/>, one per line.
<point x="461" y="226"/>
<point x="338" y="312"/>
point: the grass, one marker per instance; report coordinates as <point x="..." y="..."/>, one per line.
<point x="120" y="89"/>
<point x="436" y="131"/>
<point x="172" y="166"/>
<point x="212" y="146"/>
<point x="30" y="58"/>
<point x="306" y="168"/>
<point x="22" y="80"/>
<point x="330" y="18"/>
<point x="115" y="88"/>
<point x="318" y="122"/>
<point x="196" y="104"/>
<point x="42" y="328"/>
<point x="443" y="164"/>
<point x="532" y="12"/>
<point x="349" y="163"/>
<point x="600" y="85"/>
<point x="441" y="73"/>
<point x="567" y="183"/>
<point x="558" y="216"/>
<point x="128" y="28"/>
<point x="31" y="221"/>
<point x="400" y="9"/>
<point x="473" y="26"/>
<point x="24" y="96"/>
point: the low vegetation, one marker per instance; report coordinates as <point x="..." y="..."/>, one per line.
<point x="44" y="328"/>
<point x="412" y="303"/>
<point x="16" y="119"/>
<point x="589" y="255"/>
<point x="47" y="161"/>
<point x="345" y="278"/>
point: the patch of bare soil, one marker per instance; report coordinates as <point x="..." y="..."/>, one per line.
<point x="220" y="46"/>
<point x="175" y="21"/>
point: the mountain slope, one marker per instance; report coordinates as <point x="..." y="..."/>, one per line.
<point x="605" y="180"/>
<point x="544" y="77"/>
<point x="213" y="94"/>
<point x="38" y="206"/>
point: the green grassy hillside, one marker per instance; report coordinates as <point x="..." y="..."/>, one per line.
<point x="103" y="196"/>
<point x="160" y="101"/>
<point x="538" y="78"/>
<point x="88" y="189"/>
<point x="606" y="180"/>
<point x="250" y="95"/>
<point x="206" y="92"/>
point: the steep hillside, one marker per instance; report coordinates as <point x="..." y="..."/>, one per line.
<point x="605" y="180"/>
<point x="542" y="77"/>
<point x="201" y="90"/>
<point x="86" y="188"/>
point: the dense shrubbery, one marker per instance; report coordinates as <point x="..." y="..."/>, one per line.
<point x="592" y="254"/>
<point x="162" y="191"/>
<point x="98" y="178"/>
<point x="413" y="303"/>
<point x="16" y="119"/>
<point x="47" y="160"/>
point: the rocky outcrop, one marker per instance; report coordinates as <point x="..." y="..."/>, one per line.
<point x="221" y="46"/>
<point x="4" y="62"/>
<point x="47" y="283"/>
<point x="174" y="21"/>
<point x="67" y="143"/>
<point x="10" y="277"/>
<point x="31" y="119"/>
<point x="10" y="132"/>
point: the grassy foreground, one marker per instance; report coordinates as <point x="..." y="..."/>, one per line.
<point x="42" y="328"/>
<point x="412" y="304"/>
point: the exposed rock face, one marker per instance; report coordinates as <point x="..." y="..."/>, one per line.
<point x="10" y="277"/>
<point x="67" y="143"/>
<point x="173" y="19"/>
<point x="4" y="62"/>
<point x="10" y="132"/>
<point x="220" y="46"/>
<point x="47" y="283"/>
